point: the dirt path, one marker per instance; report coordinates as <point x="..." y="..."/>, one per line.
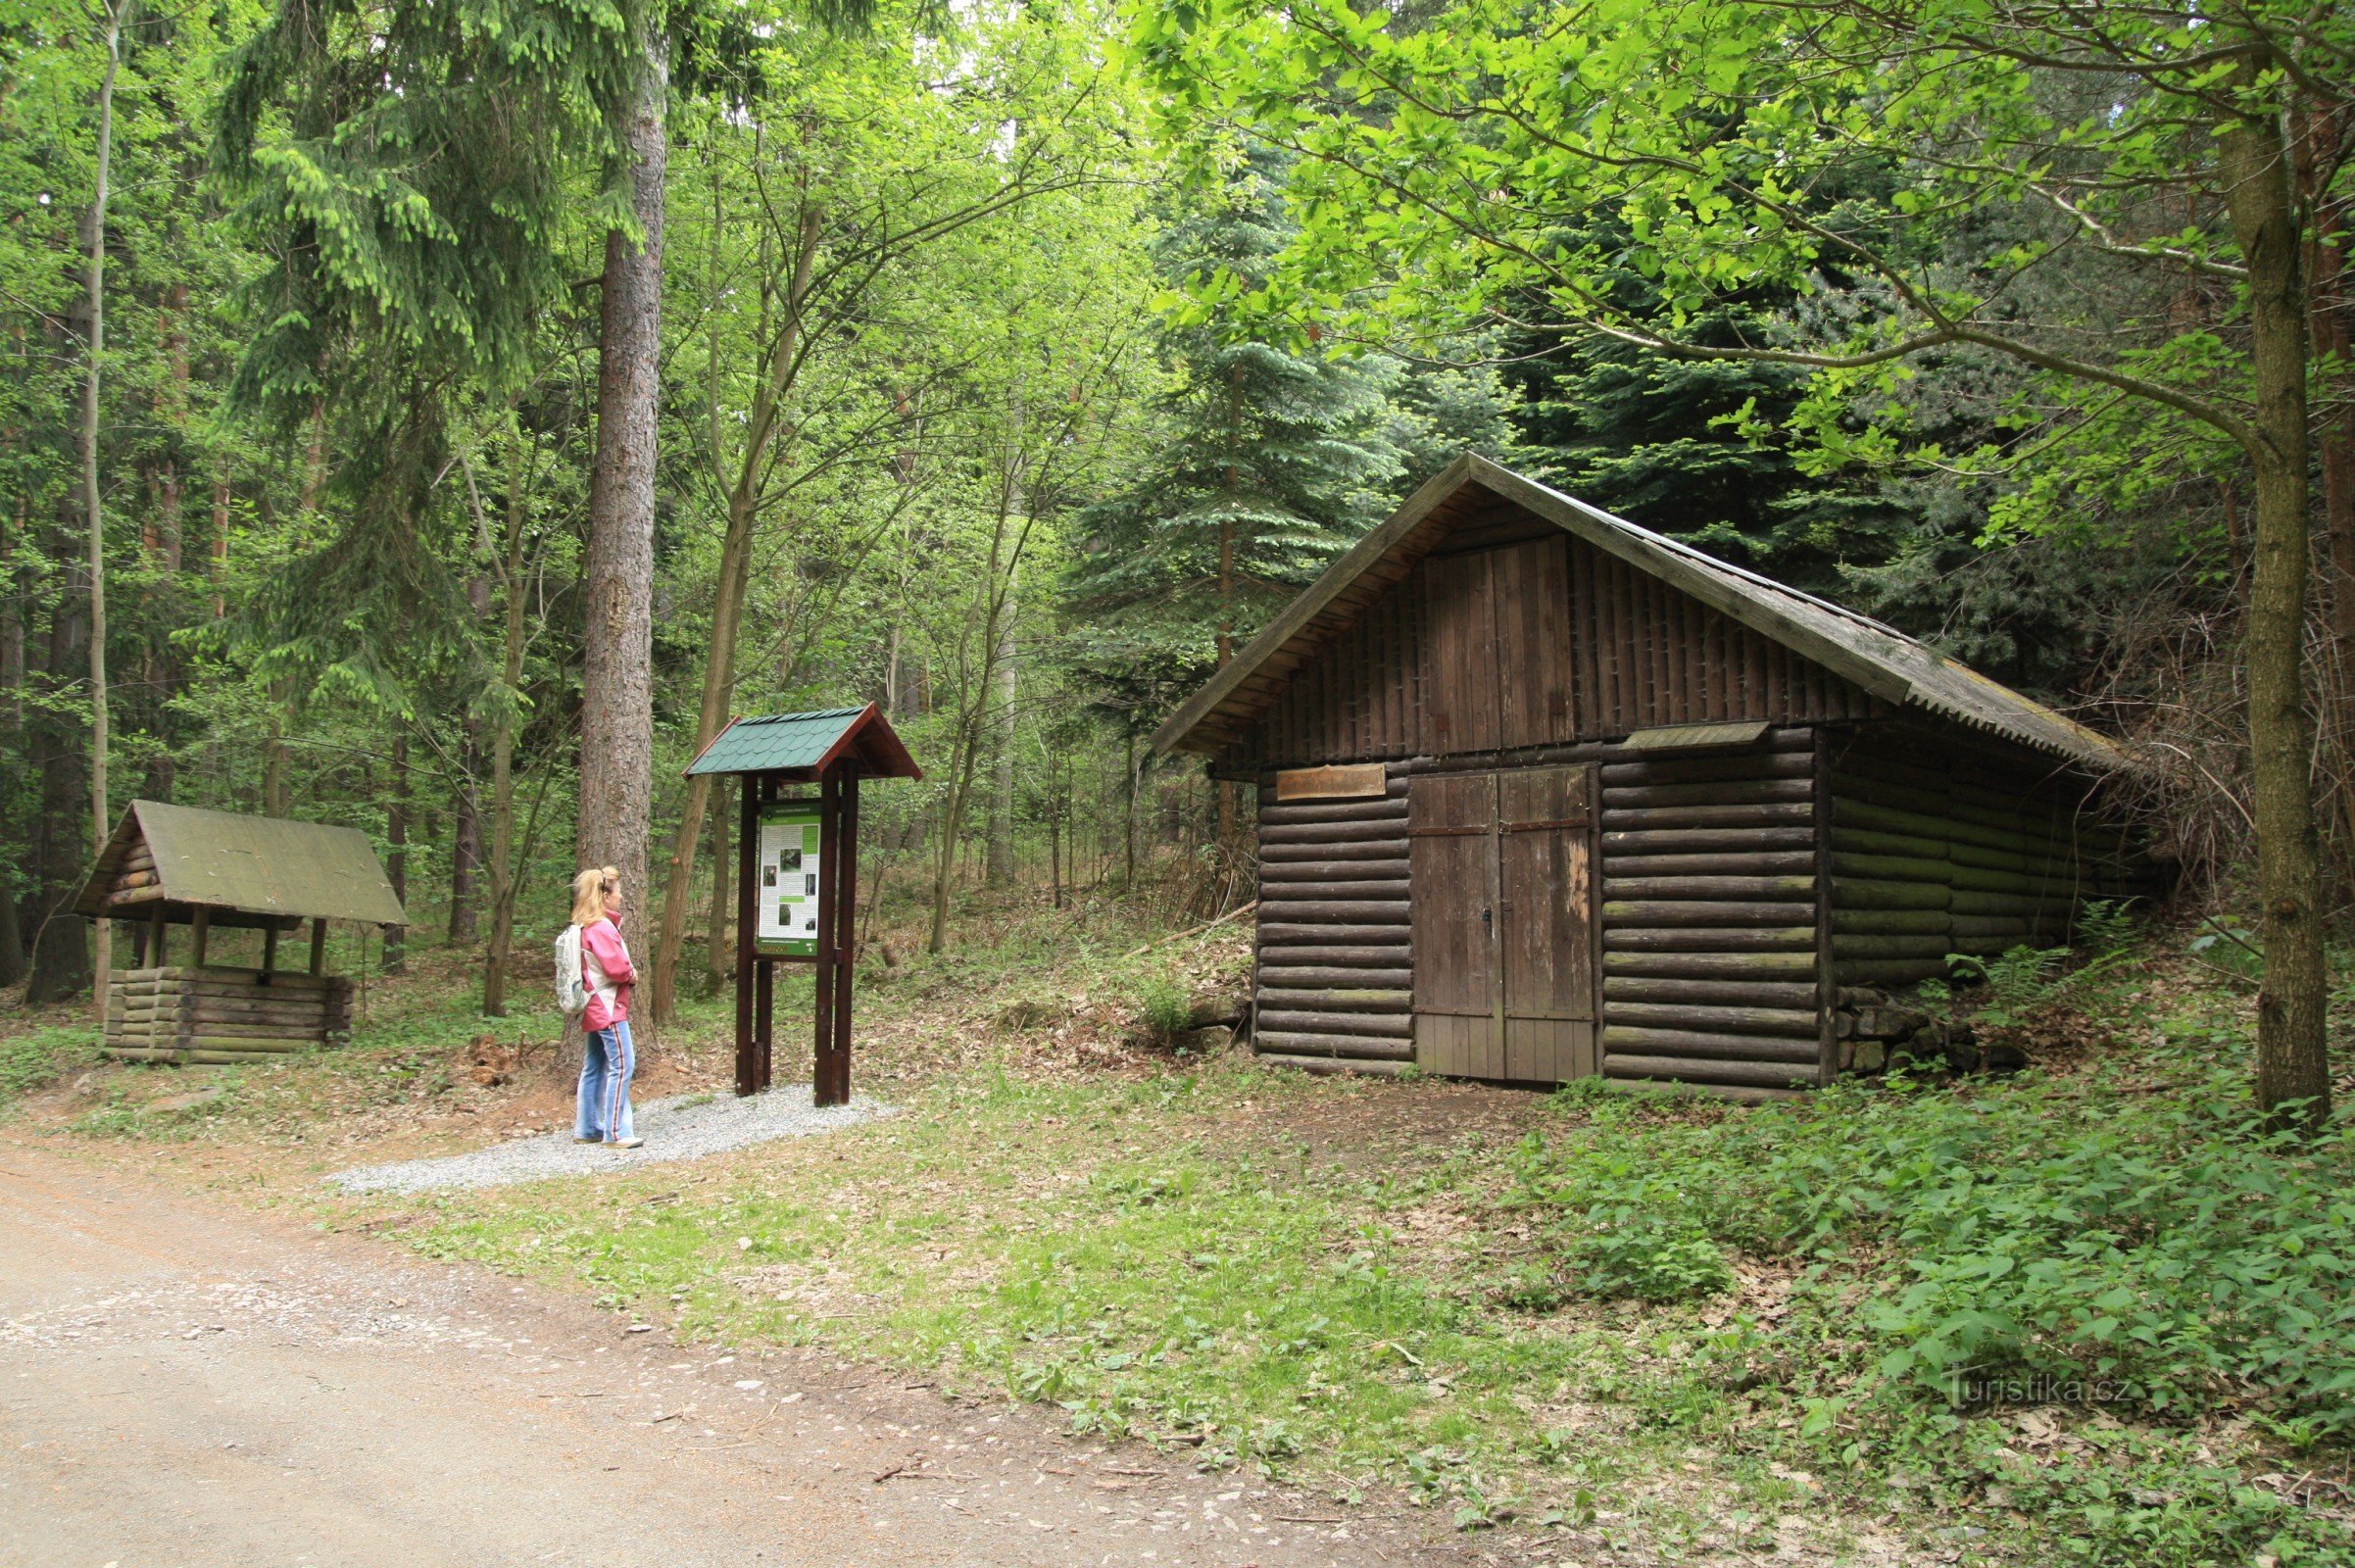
<point x="187" y="1383"/>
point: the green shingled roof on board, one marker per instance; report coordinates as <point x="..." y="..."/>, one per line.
<point x="801" y="744"/>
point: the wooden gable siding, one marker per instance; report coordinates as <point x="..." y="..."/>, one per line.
<point x="1532" y="642"/>
<point x="1362" y="699"/>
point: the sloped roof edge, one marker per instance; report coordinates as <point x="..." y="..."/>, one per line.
<point x="1877" y="659"/>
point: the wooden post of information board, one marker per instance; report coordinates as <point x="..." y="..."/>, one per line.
<point x="829" y="875"/>
<point x="747" y="847"/>
<point x="833" y="1085"/>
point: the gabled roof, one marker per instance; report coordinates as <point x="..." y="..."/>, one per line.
<point x="1877" y="658"/>
<point x="801" y="746"/>
<point x="261" y="866"/>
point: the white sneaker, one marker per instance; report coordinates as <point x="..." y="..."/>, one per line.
<point x="629" y="1143"/>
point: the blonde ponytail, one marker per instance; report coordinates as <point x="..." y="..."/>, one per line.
<point x="588" y="896"/>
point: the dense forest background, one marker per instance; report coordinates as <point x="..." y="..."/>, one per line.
<point x="962" y="395"/>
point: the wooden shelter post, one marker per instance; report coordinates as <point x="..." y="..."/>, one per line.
<point x="200" y="927"/>
<point x="270" y="951"/>
<point x="829" y="879"/>
<point x="319" y="945"/>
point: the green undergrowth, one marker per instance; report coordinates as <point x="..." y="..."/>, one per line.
<point x="38" y="1057"/>
<point x="2075" y="1317"/>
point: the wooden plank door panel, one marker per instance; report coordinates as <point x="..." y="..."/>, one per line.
<point x="1453" y="861"/>
<point x="1461" y="685"/>
<point x="1545" y="897"/>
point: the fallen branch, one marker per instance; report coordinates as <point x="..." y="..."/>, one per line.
<point x="1180" y="936"/>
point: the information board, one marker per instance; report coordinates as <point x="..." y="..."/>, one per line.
<point x="786" y="897"/>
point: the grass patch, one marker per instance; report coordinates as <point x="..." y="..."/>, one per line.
<point x="39" y="1057"/>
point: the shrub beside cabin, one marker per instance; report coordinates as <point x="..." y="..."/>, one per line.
<point x="1543" y="795"/>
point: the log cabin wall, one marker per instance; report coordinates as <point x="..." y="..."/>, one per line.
<point x="1710" y="949"/>
<point x="1936" y="847"/>
<point x="1588" y="648"/>
<point x="1334" y="982"/>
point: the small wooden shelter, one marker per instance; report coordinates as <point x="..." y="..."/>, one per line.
<point x="1545" y="795"/>
<point x="167" y="865"/>
<point x="797" y="872"/>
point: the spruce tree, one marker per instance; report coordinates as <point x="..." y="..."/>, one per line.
<point x="1277" y="459"/>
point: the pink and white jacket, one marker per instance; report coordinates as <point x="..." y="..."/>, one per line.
<point x="607" y="976"/>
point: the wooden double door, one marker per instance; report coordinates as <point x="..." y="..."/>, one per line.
<point x="1503" y="909"/>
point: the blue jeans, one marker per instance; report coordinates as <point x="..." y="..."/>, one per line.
<point x="606" y="1060"/>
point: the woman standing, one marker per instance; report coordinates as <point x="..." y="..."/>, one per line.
<point x="607" y="1058"/>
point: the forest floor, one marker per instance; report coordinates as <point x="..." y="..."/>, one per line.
<point x="1501" y="1325"/>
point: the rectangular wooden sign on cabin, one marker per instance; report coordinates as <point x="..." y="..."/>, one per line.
<point x="1545" y="795"/>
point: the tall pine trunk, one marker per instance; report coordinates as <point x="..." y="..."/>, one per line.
<point x="616" y="723"/>
<point x="504" y="875"/>
<point x="2292" y="1054"/>
<point x="93" y="504"/>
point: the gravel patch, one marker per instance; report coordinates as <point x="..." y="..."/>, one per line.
<point x="687" y="1127"/>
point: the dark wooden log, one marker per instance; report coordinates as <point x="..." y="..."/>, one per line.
<point x="1274" y="971"/>
<point x="1355" y="911"/>
<point x="1373" y="943"/>
<point x="1778" y="863"/>
<point x="1707" y="767"/>
<point x="1892" y="922"/>
<point x="1709" y="1019"/>
<point x="1741" y="966"/>
<point x="1273" y="872"/>
<point x="1761" y="792"/>
<point x="1658" y="819"/>
<point x="1892" y="867"/>
<point x="1855" y="894"/>
<point x="1967" y="902"/>
<point x="1287" y="892"/>
<point x="1849" y="811"/>
<point x="1374" y="1047"/>
<point x="2061" y="881"/>
<point x="1845" y="946"/>
<point x="1710" y="939"/>
<point x="1985" y="925"/>
<point x="1796" y="887"/>
<point x="1365" y="849"/>
<point x="1764" y="993"/>
<point x="1296" y="833"/>
<point x="1335" y="1000"/>
<point x="1865" y="841"/>
<point x="1694" y="913"/>
<point x="1375" y="808"/>
<point x="1886" y="971"/>
<point x="1364" y="1025"/>
<point x="1795" y="1065"/>
<point x="1329" y="1066"/>
<point x="1708" y="841"/>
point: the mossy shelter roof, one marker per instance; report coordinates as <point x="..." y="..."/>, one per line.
<point x="803" y="746"/>
<point x="1879" y="658"/>
<point x="254" y="869"/>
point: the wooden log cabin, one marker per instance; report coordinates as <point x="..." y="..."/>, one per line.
<point x="1543" y="795"/>
<point x="175" y="865"/>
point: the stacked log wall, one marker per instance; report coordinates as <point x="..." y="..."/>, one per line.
<point x="1710" y="951"/>
<point x="215" y="1015"/>
<point x="1335" y="975"/>
<point x="1934" y="851"/>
